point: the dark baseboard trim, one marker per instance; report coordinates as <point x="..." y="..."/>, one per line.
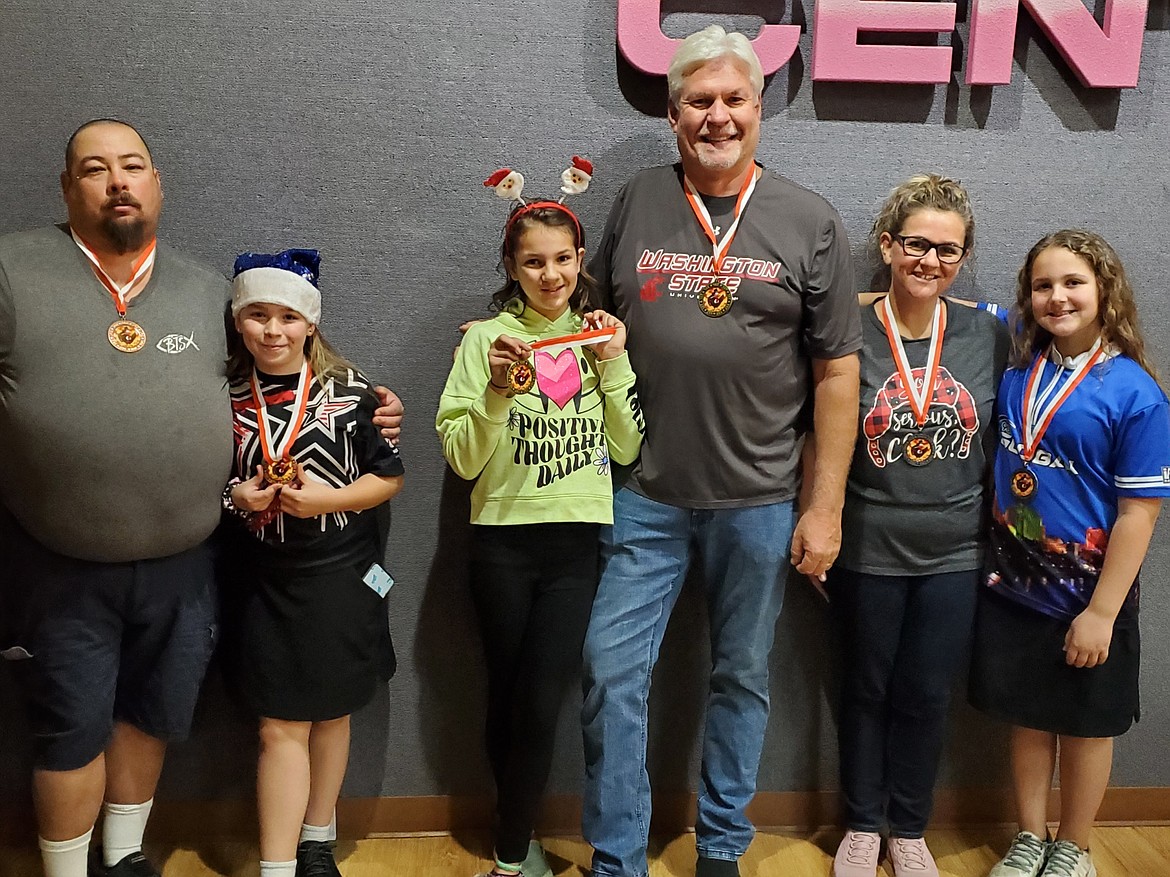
<point x="179" y="821"/>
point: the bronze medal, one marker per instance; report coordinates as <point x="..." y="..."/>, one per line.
<point x="918" y="450"/>
<point x="126" y="335"/>
<point x="715" y="298"/>
<point x="521" y="376"/>
<point x="1023" y="484"/>
<point x="282" y="471"/>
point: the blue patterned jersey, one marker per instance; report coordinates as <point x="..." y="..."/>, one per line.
<point x="1110" y="440"/>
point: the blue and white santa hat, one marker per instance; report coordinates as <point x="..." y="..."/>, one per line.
<point x="286" y="278"/>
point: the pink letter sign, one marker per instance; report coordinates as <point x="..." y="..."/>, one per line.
<point x="837" y="57"/>
<point x="641" y="40"/>
<point x="1103" y="57"/>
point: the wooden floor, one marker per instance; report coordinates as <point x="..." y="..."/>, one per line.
<point x="1117" y="852"/>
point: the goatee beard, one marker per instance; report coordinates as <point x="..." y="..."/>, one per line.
<point x="722" y="162"/>
<point x="126" y="235"/>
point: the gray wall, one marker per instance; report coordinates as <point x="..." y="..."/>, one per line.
<point x="366" y="129"/>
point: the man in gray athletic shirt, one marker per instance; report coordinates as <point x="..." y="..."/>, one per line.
<point x="115" y="446"/>
<point x="736" y="287"/>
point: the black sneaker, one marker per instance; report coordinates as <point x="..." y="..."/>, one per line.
<point x="315" y="859"/>
<point x="133" y="865"/>
<point x="716" y="867"/>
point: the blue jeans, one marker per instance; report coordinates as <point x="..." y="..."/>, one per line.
<point x="744" y="552"/>
<point x="904" y="639"/>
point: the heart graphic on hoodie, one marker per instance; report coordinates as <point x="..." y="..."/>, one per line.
<point x="558" y="377"/>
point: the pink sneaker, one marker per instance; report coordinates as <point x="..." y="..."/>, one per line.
<point x="911" y="858"/>
<point x="858" y="854"/>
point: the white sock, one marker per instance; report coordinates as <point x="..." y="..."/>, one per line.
<point x="315" y="832"/>
<point x="122" y="830"/>
<point x="276" y="869"/>
<point x="66" y="858"/>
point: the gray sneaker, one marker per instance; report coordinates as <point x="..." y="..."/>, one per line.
<point x="1066" y="859"/>
<point x="535" y="865"/>
<point x="1025" y="857"/>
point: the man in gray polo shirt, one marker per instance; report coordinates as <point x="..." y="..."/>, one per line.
<point x="115" y="446"/>
<point x="736" y="287"/>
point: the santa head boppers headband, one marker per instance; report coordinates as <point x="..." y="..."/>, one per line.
<point x="508" y="184"/>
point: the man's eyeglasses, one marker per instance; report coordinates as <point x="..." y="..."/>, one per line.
<point x="915" y="246"/>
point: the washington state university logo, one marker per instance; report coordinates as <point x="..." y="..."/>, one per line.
<point x="951" y="421"/>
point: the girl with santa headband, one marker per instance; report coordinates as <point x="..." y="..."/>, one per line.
<point x="539" y="403"/>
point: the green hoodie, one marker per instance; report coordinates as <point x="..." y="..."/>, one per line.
<point x="543" y="456"/>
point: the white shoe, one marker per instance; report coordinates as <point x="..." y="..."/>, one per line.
<point x="1025" y="857"/>
<point x="1066" y="859"/>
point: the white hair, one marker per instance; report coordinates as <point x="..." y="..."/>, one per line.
<point x="712" y="43"/>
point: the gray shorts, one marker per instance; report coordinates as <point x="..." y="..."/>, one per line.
<point x="93" y="643"/>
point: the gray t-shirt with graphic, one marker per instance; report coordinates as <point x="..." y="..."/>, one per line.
<point x="723" y="397"/>
<point x="902" y="519"/>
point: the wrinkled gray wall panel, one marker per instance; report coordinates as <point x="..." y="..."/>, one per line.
<point x="366" y="129"/>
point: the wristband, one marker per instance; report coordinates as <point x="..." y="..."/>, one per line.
<point x="228" y="503"/>
<point x="507" y="391"/>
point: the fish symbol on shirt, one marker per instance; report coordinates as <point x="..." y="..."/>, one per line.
<point x="176" y="343"/>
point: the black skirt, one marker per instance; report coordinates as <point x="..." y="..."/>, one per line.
<point x="1019" y="675"/>
<point x="313" y="645"/>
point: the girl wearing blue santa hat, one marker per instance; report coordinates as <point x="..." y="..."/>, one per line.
<point x="310" y="466"/>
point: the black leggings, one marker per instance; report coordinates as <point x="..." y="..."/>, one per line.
<point x="904" y="640"/>
<point x="533" y="587"/>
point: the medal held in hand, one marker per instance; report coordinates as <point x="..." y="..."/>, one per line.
<point x="279" y="467"/>
<point x="124" y="334"/>
<point x="282" y="471"/>
<point x="716" y="299"/>
<point x="521" y="376"/>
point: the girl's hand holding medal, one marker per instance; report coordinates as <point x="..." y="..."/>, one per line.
<point x="505" y="351"/>
<point x="255" y="494"/>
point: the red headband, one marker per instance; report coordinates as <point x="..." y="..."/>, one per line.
<point x="533" y="205"/>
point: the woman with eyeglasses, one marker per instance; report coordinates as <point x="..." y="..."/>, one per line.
<point x="902" y="591"/>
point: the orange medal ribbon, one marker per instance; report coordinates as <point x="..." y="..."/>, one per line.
<point x="279" y="467"/>
<point x="720" y="246"/>
<point x="1037" y="414"/>
<point x="118" y="292"/>
<point x="579" y="339"/>
<point x="919" y="395"/>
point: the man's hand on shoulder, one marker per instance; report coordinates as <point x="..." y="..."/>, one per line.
<point x="388" y="416"/>
<point x="463" y="328"/>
